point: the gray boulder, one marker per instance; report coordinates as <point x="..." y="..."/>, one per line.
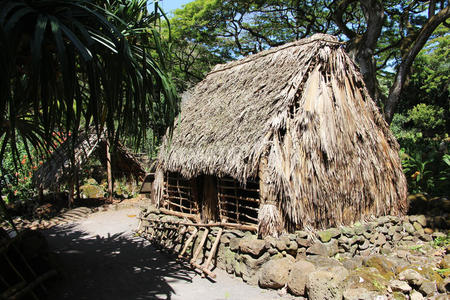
<point x="324" y="285"/>
<point x="411" y="276"/>
<point x="399" y="286"/>
<point x="415" y="295"/>
<point x="318" y="248"/>
<point x="359" y="294"/>
<point x="298" y="277"/>
<point x="252" y="245"/>
<point x="326" y="235"/>
<point x="428" y="288"/>
<point x="275" y="273"/>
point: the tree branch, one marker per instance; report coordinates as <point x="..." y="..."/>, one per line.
<point x="338" y="18"/>
<point x="408" y="59"/>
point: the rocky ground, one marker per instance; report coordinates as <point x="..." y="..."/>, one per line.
<point x="384" y="258"/>
<point x="403" y="274"/>
<point x="393" y="259"/>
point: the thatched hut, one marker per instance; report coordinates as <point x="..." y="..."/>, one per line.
<point x="58" y="169"/>
<point x="284" y="139"/>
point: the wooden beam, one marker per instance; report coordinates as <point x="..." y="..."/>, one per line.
<point x="204" y="270"/>
<point x="178" y="205"/>
<point x="188" y="241"/>
<point x="174" y="186"/>
<point x="241" y="205"/>
<point x="108" y="172"/>
<point x="200" y="245"/>
<point x="180" y="214"/>
<point x="218" y="224"/>
<point x="213" y="251"/>
<point x="239" y="197"/>
<point x="238" y="188"/>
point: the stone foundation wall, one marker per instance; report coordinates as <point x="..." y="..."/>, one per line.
<point x="283" y="262"/>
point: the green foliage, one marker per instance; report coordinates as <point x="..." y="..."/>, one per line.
<point x="423" y="120"/>
<point x="427" y="117"/>
<point x="73" y="63"/>
<point x="193" y="52"/>
<point x="69" y="64"/>
<point x="420" y="177"/>
<point x="124" y="189"/>
<point x="208" y="32"/>
<point x="17" y="185"/>
<point x="421" y="126"/>
<point x="429" y="81"/>
<point x="441" y="241"/>
<point x="424" y="143"/>
<point x="91" y="189"/>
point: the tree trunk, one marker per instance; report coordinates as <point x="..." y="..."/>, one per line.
<point x="408" y="59"/>
<point x="361" y="48"/>
<point x="77" y="183"/>
<point x="71" y="191"/>
<point x="108" y="171"/>
<point x="41" y="193"/>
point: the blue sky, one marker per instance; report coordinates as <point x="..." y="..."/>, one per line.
<point x="170" y="5"/>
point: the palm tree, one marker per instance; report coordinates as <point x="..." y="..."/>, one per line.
<point x="65" y="64"/>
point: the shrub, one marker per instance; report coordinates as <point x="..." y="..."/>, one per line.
<point x="424" y="149"/>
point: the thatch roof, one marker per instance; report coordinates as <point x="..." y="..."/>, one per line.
<point x="303" y="105"/>
<point x="56" y="170"/>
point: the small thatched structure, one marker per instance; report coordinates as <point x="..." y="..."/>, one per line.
<point x="287" y="138"/>
<point x="57" y="169"/>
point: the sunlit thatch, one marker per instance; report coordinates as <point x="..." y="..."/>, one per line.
<point x="330" y="155"/>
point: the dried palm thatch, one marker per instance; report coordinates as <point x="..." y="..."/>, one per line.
<point x="57" y="169"/>
<point x="331" y="158"/>
<point x="270" y="221"/>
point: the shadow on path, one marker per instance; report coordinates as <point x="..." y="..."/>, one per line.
<point x="119" y="266"/>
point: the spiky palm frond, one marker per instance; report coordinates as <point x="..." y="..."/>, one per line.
<point x="65" y="63"/>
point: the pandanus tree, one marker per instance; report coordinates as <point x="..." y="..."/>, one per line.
<point x="67" y="65"/>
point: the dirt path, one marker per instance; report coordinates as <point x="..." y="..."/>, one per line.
<point x="101" y="259"/>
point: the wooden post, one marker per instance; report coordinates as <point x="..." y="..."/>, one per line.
<point x="77" y="182"/>
<point x="189" y="240"/>
<point x="200" y="245"/>
<point x="204" y="270"/>
<point x="71" y="188"/>
<point x="213" y="250"/>
<point x="210" y="200"/>
<point x="194" y="195"/>
<point x="158" y="189"/>
<point x="41" y="193"/>
<point x="108" y="171"/>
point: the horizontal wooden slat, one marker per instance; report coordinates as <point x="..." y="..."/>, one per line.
<point x="177" y="186"/>
<point x="239" y="189"/>
<point x="166" y="196"/>
<point x="240" y="206"/>
<point x="235" y="181"/>
<point x="238" y="197"/>
<point x="251" y="227"/>
<point x="180" y="192"/>
<point x="183" y="207"/>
